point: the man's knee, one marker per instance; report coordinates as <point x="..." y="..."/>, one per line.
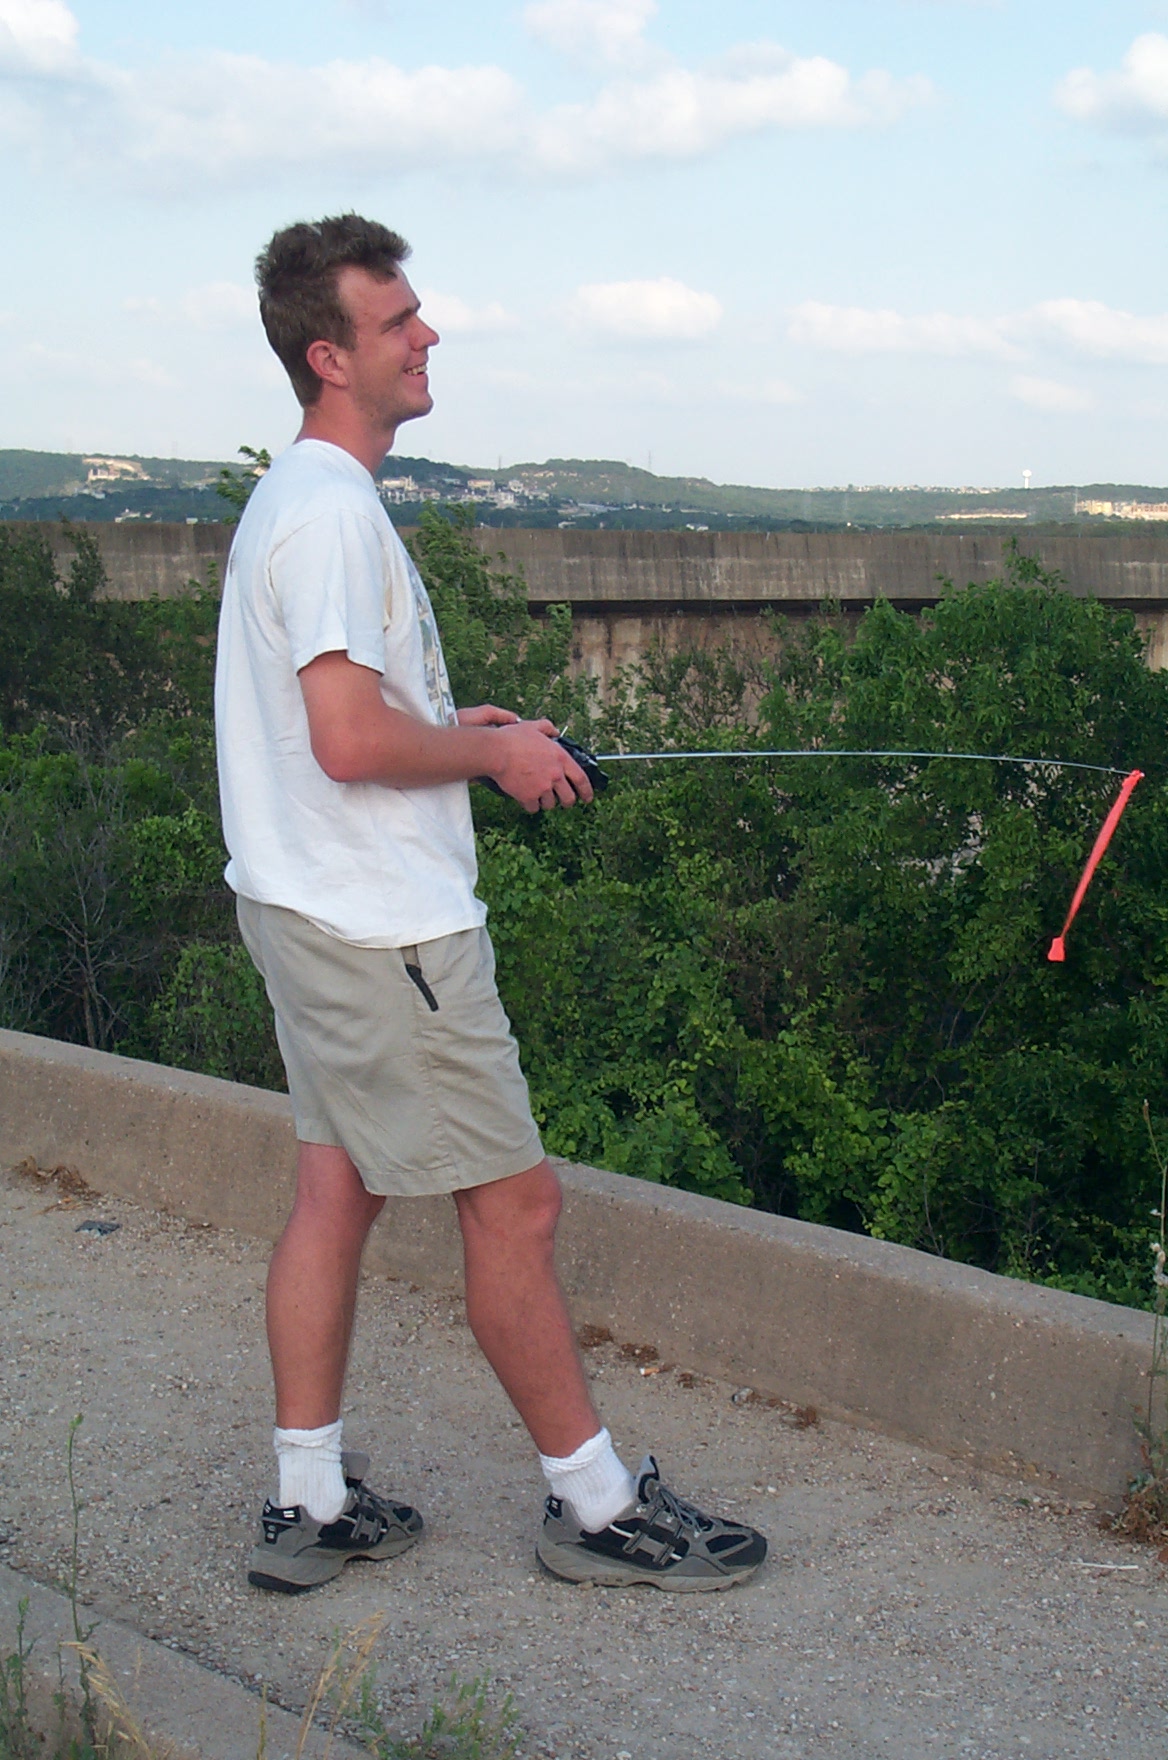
<point x="525" y="1207"/>
<point x="331" y="1191"/>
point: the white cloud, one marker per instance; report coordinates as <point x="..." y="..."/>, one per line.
<point x="220" y="305"/>
<point x="645" y="311"/>
<point x="609" y="31"/>
<point x="1135" y="97"/>
<point x="236" y="114"/>
<point x="679" y="113"/>
<point x="1089" y="327"/>
<point x="1050" y="395"/>
<point x="862" y="330"/>
<point x="36" y="36"/>
<point x="1082" y="327"/>
<point x="213" y="118"/>
<point x="38" y="361"/>
<point x="452" y="316"/>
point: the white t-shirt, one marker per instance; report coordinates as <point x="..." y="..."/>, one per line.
<point x="316" y="566"/>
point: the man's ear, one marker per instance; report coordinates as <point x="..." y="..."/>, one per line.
<point x="325" y="359"/>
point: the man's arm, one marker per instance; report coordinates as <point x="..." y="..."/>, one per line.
<point x="357" y="737"/>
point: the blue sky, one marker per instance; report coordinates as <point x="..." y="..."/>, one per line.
<point x="792" y="244"/>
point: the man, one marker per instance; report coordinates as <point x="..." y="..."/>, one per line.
<point x="343" y="769"/>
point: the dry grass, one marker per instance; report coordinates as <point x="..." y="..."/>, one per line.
<point x="1144" y="1515"/>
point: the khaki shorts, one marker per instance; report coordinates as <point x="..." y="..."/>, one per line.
<point x="423" y="1098"/>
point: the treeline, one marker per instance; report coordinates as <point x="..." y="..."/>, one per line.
<point x="815" y="985"/>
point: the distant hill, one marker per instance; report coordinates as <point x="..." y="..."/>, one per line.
<point x="66" y="473"/>
<point x="609" y="482"/>
<point x="559" y="491"/>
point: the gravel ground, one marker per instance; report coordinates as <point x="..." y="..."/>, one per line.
<point x="910" y="1607"/>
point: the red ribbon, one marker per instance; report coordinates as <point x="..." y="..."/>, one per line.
<point x="1057" y="949"/>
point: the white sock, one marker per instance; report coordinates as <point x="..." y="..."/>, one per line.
<point x="594" y="1482"/>
<point x="310" y="1471"/>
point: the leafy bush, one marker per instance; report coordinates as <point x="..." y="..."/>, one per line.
<point x="818" y="985"/>
<point x="837" y="967"/>
<point x="110" y="854"/>
<point x="88" y="667"/>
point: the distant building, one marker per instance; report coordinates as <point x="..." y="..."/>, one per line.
<point x="113" y="470"/>
<point x="395" y="490"/>
<point x="1151" y="510"/>
<point x="984" y="513"/>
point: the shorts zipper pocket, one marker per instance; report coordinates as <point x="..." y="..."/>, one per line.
<point x="417" y="978"/>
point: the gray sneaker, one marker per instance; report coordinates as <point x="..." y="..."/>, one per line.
<point x="293" y="1552"/>
<point x="663" y="1541"/>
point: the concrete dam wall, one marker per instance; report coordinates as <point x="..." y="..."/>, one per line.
<point x="629" y="590"/>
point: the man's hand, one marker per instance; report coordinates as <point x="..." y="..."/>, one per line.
<point x="534" y="770"/>
<point x="528" y="778"/>
<point x="486" y="715"/>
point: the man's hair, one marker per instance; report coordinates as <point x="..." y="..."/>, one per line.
<point x="297" y="277"/>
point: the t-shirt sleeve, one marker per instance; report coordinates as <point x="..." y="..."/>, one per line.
<point x="329" y="579"/>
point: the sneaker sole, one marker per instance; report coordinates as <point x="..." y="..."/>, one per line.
<point x="314" y="1566"/>
<point x="574" y="1566"/>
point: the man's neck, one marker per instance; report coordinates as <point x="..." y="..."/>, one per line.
<point x="344" y="428"/>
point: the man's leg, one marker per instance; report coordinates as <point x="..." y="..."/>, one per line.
<point x="312" y="1286"/>
<point x="594" y="1529"/>
<point x="322" y="1516"/>
<point x="518" y="1314"/>
<point x="517" y="1310"/>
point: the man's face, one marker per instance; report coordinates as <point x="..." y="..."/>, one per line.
<point x="386" y="366"/>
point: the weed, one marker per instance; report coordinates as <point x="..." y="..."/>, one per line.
<point x="81" y="1634"/>
<point x="462" y="1725"/>
<point x="97" y="1723"/>
<point x="123" y="1738"/>
<point x="18" y="1739"/>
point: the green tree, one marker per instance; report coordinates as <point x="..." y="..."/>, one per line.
<point x="235" y="487"/>
<point x="844" y="960"/>
<point x="88" y="667"/>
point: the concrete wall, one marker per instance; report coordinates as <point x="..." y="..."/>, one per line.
<point x="629" y="590"/>
<point x="1014" y="1376"/>
<point x="143" y="557"/>
<point x="715" y="569"/>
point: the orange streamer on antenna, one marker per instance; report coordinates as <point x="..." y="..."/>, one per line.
<point x="1057" y="949"/>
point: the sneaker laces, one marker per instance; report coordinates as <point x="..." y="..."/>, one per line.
<point x="687" y="1514"/>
